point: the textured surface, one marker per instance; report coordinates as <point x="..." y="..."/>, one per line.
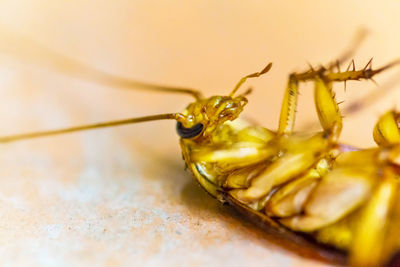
<point x="119" y="197"/>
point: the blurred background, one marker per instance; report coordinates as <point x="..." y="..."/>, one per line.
<point x="120" y="197"/>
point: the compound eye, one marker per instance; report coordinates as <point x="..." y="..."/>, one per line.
<point x="189" y="132"/>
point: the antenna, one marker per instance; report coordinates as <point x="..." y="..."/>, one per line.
<point x="17" y="137"/>
<point x="36" y="52"/>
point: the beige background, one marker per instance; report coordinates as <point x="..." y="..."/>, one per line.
<point x="120" y="197"/>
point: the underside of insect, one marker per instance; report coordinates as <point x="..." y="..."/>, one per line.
<point x="332" y="194"/>
<point x="336" y="202"/>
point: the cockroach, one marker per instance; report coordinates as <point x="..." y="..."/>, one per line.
<point x="334" y="201"/>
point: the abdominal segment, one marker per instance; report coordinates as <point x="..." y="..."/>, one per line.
<point x="347" y="200"/>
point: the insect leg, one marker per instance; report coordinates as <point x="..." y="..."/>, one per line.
<point x="253" y="75"/>
<point x="391" y="249"/>
<point x="287" y="117"/>
<point x="353" y="107"/>
<point x="369" y="243"/>
<point x="289" y="200"/>
<point x="237" y="155"/>
<point x="326" y="105"/>
<point x="386" y="131"/>
<point x="371" y="98"/>
<point x="289" y="105"/>
<point x="292" y="164"/>
<point x="345" y="189"/>
<point x="340" y="192"/>
<point x="327" y="108"/>
<point x="280" y="171"/>
<point x="288" y="110"/>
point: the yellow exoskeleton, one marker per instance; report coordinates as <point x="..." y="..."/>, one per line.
<point x="331" y="199"/>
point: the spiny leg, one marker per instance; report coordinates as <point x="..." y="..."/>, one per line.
<point x="289" y="105"/>
<point x="374" y="96"/>
<point x="355" y="106"/>
<point x="331" y="122"/>
<point x="288" y="110"/>
<point x="326" y="105"/>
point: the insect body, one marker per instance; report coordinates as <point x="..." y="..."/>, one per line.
<point x="306" y="183"/>
<point x="329" y="198"/>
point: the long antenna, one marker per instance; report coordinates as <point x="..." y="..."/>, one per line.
<point x="17" y="137"/>
<point x="35" y="51"/>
